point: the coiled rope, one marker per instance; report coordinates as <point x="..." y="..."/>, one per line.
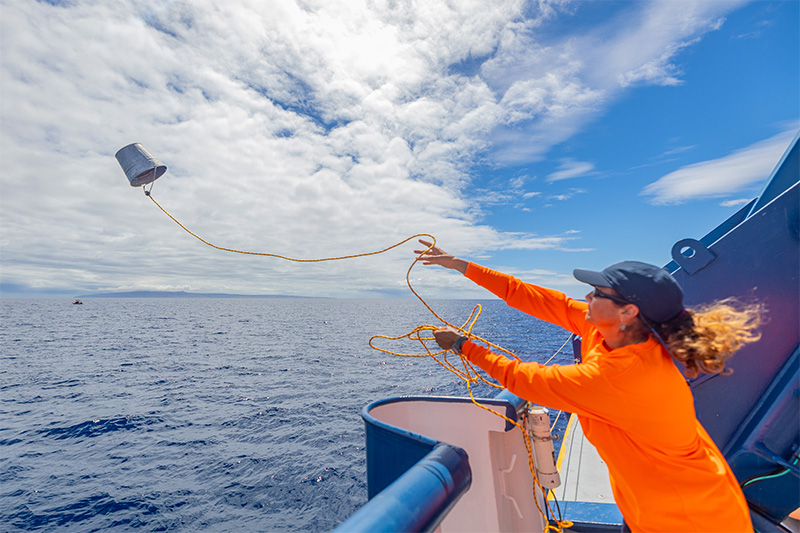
<point x="468" y="374"/>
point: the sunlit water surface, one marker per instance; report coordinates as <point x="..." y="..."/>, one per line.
<point x="209" y="414"/>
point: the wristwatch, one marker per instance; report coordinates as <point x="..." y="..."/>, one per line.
<point x="456" y="349"/>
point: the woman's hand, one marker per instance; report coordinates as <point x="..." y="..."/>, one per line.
<point x="437" y="256"/>
<point x="446" y="337"/>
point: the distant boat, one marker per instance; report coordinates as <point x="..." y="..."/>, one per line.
<point x="77" y="302"/>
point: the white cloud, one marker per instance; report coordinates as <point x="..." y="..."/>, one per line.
<point x="567" y="195"/>
<point x="735" y="203"/>
<point x="551" y="90"/>
<point x="676" y="150"/>
<point x="645" y="51"/>
<point x="723" y="176"/>
<point x="308" y="129"/>
<point x="571" y="169"/>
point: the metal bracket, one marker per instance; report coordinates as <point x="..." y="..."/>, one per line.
<point x="692" y="255"/>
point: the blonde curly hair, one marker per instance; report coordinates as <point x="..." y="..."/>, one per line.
<point x="704" y="338"/>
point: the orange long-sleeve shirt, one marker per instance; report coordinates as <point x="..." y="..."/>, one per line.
<point x="635" y="407"/>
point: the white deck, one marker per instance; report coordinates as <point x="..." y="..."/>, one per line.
<point x="584" y="476"/>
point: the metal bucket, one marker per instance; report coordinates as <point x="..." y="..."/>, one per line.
<point x="139" y="165"/>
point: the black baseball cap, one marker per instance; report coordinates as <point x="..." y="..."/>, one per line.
<point x="650" y="288"/>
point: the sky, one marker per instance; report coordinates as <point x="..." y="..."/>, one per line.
<point x="533" y="137"/>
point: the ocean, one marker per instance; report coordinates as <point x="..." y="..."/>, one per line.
<point x="212" y="414"/>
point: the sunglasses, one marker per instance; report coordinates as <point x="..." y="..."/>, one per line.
<point x="598" y="294"/>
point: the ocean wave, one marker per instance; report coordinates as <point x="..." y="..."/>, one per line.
<point x="98" y="427"/>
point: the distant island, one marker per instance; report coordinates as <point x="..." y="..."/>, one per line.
<point x="180" y="294"/>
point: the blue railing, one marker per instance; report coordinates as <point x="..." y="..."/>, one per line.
<point x="420" y="498"/>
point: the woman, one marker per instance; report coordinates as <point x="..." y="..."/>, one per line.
<point x="632" y="401"/>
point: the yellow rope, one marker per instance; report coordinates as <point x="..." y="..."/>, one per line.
<point x="469" y="375"/>
<point x="283" y="256"/>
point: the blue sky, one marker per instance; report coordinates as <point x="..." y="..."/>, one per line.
<point x="533" y="137"/>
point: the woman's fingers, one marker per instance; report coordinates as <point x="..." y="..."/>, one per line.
<point x="437" y="256"/>
<point x="429" y="250"/>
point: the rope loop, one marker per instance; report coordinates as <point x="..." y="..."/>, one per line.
<point x="467" y="373"/>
